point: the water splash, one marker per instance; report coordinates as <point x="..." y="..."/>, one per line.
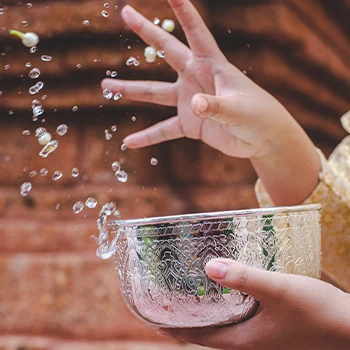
<point x="49" y="148"/>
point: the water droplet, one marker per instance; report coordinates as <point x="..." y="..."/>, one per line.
<point x="44" y="97"/>
<point x="75" y="172"/>
<point x="108" y="73"/>
<point x="108" y="136"/>
<point x="107" y="94"/>
<point x="114" y="74"/>
<point x="114" y="128"/>
<point x="34" y="118"/>
<point x="121" y="176"/>
<point x="130" y="61"/>
<point x="75" y="108"/>
<point x="28" y="64"/>
<point x="57" y="206"/>
<point x="156" y="21"/>
<point x="46" y="58"/>
<point x="33" y="49"/>
<point x="10" y="112"/>
<point x="32" y="173"/>
<point x="136" y="63"/>
<point x="2" y="10"/>
<point x="161" y="53"/>
<point x="25" y="132"/>
<point x="91" y="203"/>
<point x="36" y="88"/>
<point x="108" y="209"/>
<point x="43" y="172"/>
<point x="29" y="5"/>
<point x="26" y="188"/>
<point x="7" y="66"/>
<point x="24" y="23"/>
<point x="115" y="166"/>
<point x="38" y="110"/>
<point x="117" y="96"/>
<point x="124" y="147"/>
<point x="40" y="132"/>
<point x="106" y="5"/>
<point x="86" y="23"/>
<point x="117" y="214"/>
<point x="154" y="161"/>
<point x="78" y="207"/>
<point x="49" y="148"/>
<point x="133" y="118"/>
<point x="57" y="175"/>
<point x="105" y="13"/>
<point x="78" y="65"/>
<point x="116" y="7"/>
<point x="34" y="73"/>
<point x="62" y="129"/>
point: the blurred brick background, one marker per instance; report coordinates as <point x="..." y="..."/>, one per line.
<point x="55" y="293"/>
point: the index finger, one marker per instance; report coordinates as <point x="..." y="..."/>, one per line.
<point x="197" y="33"/>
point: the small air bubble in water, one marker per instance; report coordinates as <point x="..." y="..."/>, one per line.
<point x="133" y="118"/>
<point x="114" y="74"/>
<point x="26" y="188"/>
<point x="107" y="94"/>
<point x="106" y="5"/>
<point x="161" y="53"/>
<point x="108" y="73"/>
<point x="117" y="96"/>
<point x="116" y="7"/>
<point x="86" y="23"/>
<point x="136" y="63"/>
<point x="78" y="207"/>
<point x="117" y="214"/>
<point x="43" y="172"/>
<point x="156" y="21"/>
<point x="33" y="49"/>
<point x="105" y="13"/>
<point x="121" y="176"/>
<point x="78" y="65"/>
<point x="46" y="58"/>
<point x="62" y="129"/>
<point x="91" y="203"/>
<point x="154" y="161"/>
<point x="32" y="173"/>
<point x="115" y="166"/>
<point x="75" y="108"/>
<point x="130" y="61"/>
<point x="38" y="110"/>
<point x="25" y="132"/>
<point x="10" y="112"/>
<point x="7" y="66"/>
<point x="29" y="5"/>
<point x="114" y="128"/>
<point x="28" y="64"/>
<point x="24" y="23"/>
<point x="57" y="175"/>
<point x="124" y="147"/>
<point x="75" y="172"/>
<point x="34" y="73"/>
<point x="2" y="10"/>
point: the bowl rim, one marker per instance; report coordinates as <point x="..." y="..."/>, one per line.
<point x="215" y="215"/>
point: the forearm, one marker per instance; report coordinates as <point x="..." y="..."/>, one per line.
<point x="290" y="172"/>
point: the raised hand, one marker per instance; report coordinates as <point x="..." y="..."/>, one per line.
<point x="219" y="105"/>
<point x="295" y="313"/>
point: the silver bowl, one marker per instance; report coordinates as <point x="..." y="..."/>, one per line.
<point x="160" y="261"/>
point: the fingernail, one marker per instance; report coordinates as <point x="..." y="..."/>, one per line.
<point x="162" y="333"/>
<point x="200" y="104"/>
<point x="216" y="269"/>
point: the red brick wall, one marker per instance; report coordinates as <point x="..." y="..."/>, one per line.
<point x="55" y="293"/>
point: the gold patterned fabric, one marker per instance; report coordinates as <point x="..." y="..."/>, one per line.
<point x="333" y="192"/>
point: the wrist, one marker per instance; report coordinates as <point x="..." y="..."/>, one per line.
<point x="289" y="168"/>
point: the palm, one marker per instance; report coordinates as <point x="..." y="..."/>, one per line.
<point x="201" y="69"/>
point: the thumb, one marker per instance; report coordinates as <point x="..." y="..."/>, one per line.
<point x="221" y="109"/>
<point x="259" y="283"/>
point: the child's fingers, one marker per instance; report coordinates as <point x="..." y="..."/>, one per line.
<point x="157" y="92"/>
<point x="220" y="109"/>
<point x="197" y="33"/>
<point x="176" y="53"/>
<point x="263" y="285"/>
<point x="166" y="130"/>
